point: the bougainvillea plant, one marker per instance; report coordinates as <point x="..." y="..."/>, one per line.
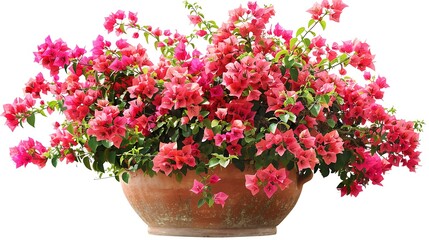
<point x="256" y="94"/>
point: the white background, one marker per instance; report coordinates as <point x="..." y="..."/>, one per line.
<point x="68" y="203"/>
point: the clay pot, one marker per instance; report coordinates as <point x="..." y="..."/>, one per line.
<point x="168" y="207"/>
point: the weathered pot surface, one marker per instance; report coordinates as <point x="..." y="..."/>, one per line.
<point x="170" y="208"/>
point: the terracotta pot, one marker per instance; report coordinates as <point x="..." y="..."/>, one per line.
<point x="170" y="208"/>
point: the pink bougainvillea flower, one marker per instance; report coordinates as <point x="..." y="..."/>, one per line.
<point x="180" y="52"/>
<point x="221" y="113"/>
<point x="252" y="183"/>
<point x="266" y="174"/>
<point x="279" y="176"/>
<point x="353" y="190"/>
<point x="195" y="19"/>
<point x="208" y="134"/>
<point x="37" y="86"/>
<point x="108" y="125"/>
<point x="306" y="139"/>
<point x="316" y="11"/>
<point x="17" y="111"/>
<point x="237" y="131"/>
<point x="367" y="75"/>
<point x="201" y="33"/>
<point x="307" y="159"/>
<point x="214" y="179"/>
<point x="337" y="8"/>
<point x="220" y="198"/>
<point x="216" y="92"/>
<point x="198" y="187"/>
<point x="270" y="189"/>
<point x="234" y="149"/>
<point x="28" y="151"/>
<point x="219" y="139"/>
<point x="281" y="149"/>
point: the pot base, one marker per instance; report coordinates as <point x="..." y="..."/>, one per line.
<point x="168" y="207"/>
<point x="209" y="232"/>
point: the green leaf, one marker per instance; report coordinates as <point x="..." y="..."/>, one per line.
<point x="93" y="144"/>
<point x="74" y="66"/>
<point x="373" y="149"/>
<point x="322" y="63"/>
<point x="214" y="123"/>
<point x="292" y="117"/>
<point x="288" y="101"/>
<point x="122" y="27"/>
<point x="324" y="170"/>
<point x="315" y="109"/>
<point x="125" y="177"/>
<point x="291" y="164"/>
<point x="206" y="123"/>
<point x="55" y="161"/>
<point x="146" y="36"/>
<point x="259" y="161"/>
<point x="43" y="113"/>
<point x="175" y="135"/>
<point x="87" y="163"/>
<point x="213" y="162"/>
<point x="206" y="148"/>
<point x="288" y="61"/>
<point x="52" y="104"/>
<point x="107" y="144"/>
<point x="239" y="163"/>
<point x="224" y="162"/>
<point x="195" y="129"/>
<point x="331" y="123"/>
<point x="300" y="31"/>
<point x="343" y="57"/>
<point x="311" y="22"/>
<point x="282" y="70"/>
<point x="308" y="96"/>
<point x="111" y="156"/>
<point x="279" y="54"/>
<point x="200" y="169"/>
<point x="201" y="202"/>
<point x="210" y="201"/>
<point x="186" y="132"/>
<point x="324" y="99"/>
<point x="343" y="159"/>
<point x="307" y="42"/>
<point x="204" y="113"/>
<point x="323" y="24"/>
<point x="272" y="128"/>
<point x="217" y="129"/>
<point x="179" y="177"/>
<point x="31" y="119"/>
<point x="340" y="100"/>
<point x="100" y="166"/>
<point x="292" y="42"/>
<point x="284" y="117"/>
<point x="95" y="165"/>
<point x="294" y="74"/>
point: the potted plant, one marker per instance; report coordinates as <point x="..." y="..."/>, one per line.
<point x="255" y="98"/>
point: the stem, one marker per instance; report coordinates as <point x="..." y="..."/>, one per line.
<point x="333" y="66"/>
<point x="309" y="30"/>
<point x="193" y="8"/>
